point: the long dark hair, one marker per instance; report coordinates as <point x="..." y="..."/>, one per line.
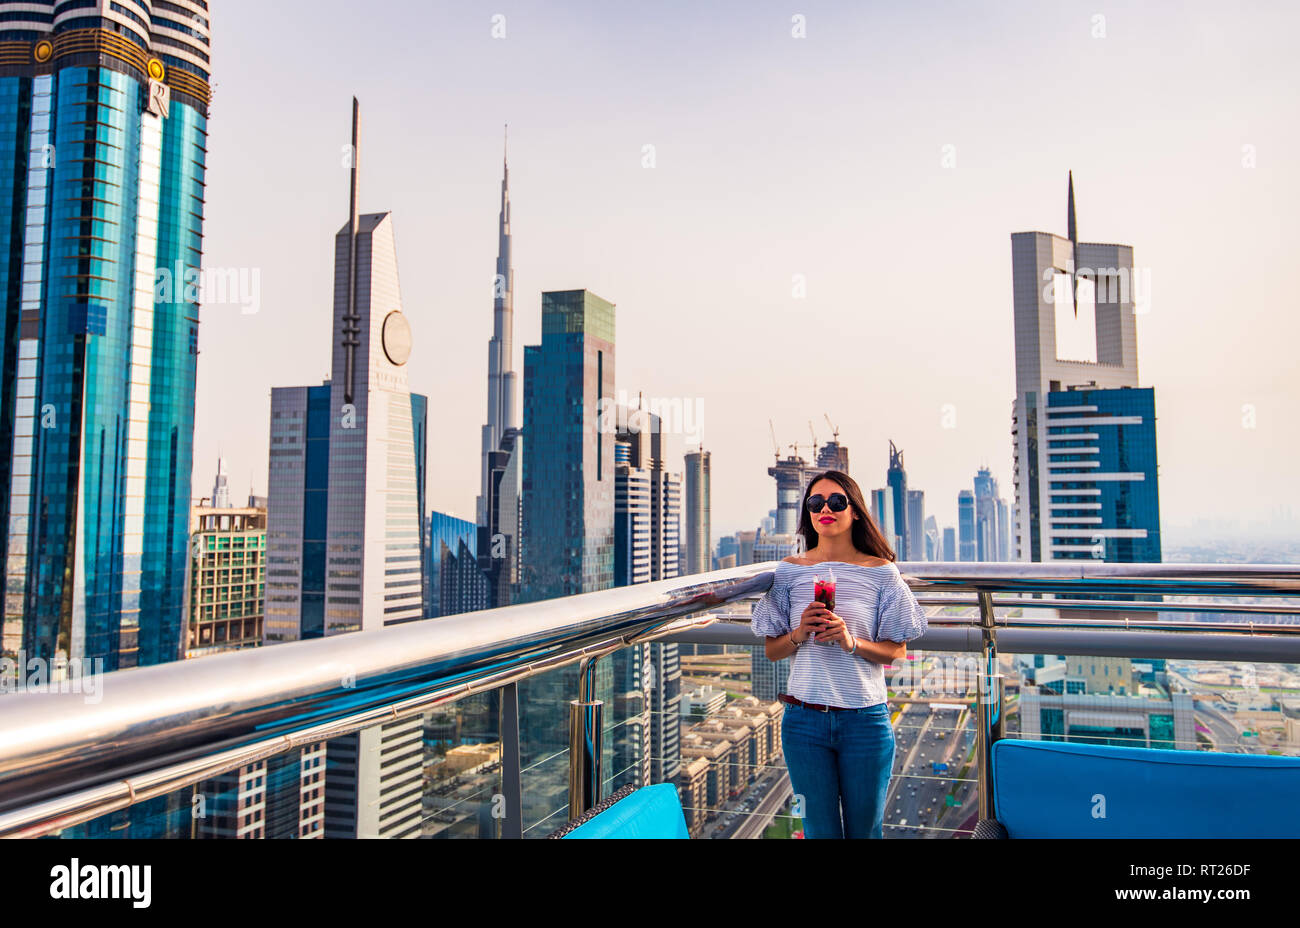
<point x="867" y="536"/>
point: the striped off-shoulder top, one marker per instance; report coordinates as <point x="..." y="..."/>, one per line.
<point x="874" y="602"/>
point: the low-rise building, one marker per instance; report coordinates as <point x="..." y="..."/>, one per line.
<point x="693" y="790"/>
<point x="718" y="775"/>
<point x="764" y="721"/>
<point x="703" y="702"/>
<point x="739" y="758"/>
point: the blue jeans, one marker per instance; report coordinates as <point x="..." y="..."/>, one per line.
<point x="840" y="763"/>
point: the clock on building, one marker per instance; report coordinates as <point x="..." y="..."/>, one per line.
<point x="397" y="338"/>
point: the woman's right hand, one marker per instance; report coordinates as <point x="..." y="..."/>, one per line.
<point x="810" y="622"/>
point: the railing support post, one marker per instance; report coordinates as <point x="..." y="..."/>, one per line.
<point x="991" y="723"/>
<point x="585" y="734"/>
<point x="512" y="826"/>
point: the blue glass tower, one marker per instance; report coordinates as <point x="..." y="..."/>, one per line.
<point x="966" y="525"/>
<point x="568" y="460"/>
<point x="456" y="584"/>
<point x="1101" y="449"/>
<point x="897" y="482"/>
<point x="103" y="140"/>
<point x="569" y="478"/>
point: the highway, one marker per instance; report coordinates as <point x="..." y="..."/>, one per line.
<point x="923" y="736"/>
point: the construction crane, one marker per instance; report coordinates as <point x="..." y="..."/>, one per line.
<point x="776" y="448"/>
<point x="814" y="437"/>
<point x="836" y="439"/>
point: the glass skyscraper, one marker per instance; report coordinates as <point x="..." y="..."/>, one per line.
<point x="915" y="525"/>
<point x="698" y="540"/>
<point x="569" y="473"/>
<point x="457" y="582"/>
<point x="882" y="510"/>
<point x="991" y="532"/>
<point x="896" y="478"/>
<point x="1102" y="449"/>
<point x="103" y="140"/>
<point x="966" y="525"/>
<point x="568" y="460"/>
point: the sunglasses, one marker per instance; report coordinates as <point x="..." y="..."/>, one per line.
<point x="837" y="501"/>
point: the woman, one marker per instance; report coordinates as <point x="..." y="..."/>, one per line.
<point x="836" y="731"/>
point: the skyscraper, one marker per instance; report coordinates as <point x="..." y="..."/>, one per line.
<point x="1104" y="496"/>
<point x="568" y="460"/>
<point x="793" y="474"/>
<point x="882" y="510"/>
<point x="896" y="479"/>
<point x="657" y="668"/>
<point x="631" y="517"/>
<point x="833" y="456"/>
<point x="221" y="487"/>
<point x="456" y="584"/>
<point x="568" y="514"/>
<point x="990" y="518"/>
<point x="933" y="540"/>
<point x="698" y="534"/>
<point x="1074" y="330"/>
<point x="633" y="678"/>
<point x="345" y="496"/>
<point x="665" y="701"/>
<point x="497" y="508"/>
<point x="768" y="679"/>
<point x="968" y="548"/>
<point x="791" y="479"/>
<point x="277" y="797"/>
<point x="103" y="147"/>
<point x="666" y="511"/>
<point x="227" y="578"/>
<point x="915" y="525"/>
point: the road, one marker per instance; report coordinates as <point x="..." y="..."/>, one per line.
<point x="766" y="798"/>
<point x="1225" y="734"/>
<point x="771" y="802"/>
<point x="916" y="794"/>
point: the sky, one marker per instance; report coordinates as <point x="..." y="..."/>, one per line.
<point x="800" y="210"/>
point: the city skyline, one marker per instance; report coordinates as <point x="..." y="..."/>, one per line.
<point x="763" y="256"/>
<point x="1007" y="176"/>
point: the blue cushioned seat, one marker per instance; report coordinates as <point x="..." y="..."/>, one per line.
<point x="1047" y="789"/>
<point x="649" y="812"/>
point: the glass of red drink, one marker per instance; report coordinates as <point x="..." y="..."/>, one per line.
<point x="824" y="593"/>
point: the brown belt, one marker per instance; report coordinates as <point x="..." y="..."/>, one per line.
<point x="812" y="705"/>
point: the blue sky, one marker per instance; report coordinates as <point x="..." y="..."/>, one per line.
<point x="774" y="156"/>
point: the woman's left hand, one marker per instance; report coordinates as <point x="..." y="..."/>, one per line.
<point x="834" y="630"/>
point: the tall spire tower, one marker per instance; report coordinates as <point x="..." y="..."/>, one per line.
<point x="1072" y="231"/>
<point x="344" y="549"/>
<point x="502" y="413"/>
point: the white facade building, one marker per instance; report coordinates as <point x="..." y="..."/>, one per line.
<point x="1074" y="325"/>
<point x="370" y="567"/>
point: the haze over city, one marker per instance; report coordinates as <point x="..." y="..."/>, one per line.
<point x="880" y="162"/>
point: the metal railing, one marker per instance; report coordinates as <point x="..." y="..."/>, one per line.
<point x="161" y="728"/>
